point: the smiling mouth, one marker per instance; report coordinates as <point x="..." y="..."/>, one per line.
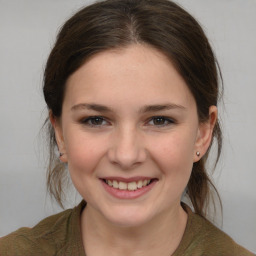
<point x="129" y="186"/>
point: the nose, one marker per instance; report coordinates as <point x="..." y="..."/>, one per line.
<point x="127" y="149"/>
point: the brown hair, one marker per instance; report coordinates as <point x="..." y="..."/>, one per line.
<point x="161" y="24"/>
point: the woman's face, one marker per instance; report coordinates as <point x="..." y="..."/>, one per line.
<point x="129" y="119"/>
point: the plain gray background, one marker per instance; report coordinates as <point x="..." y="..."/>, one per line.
<point x="27" y="33"/>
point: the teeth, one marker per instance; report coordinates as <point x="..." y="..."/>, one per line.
<point x="122" y="185"/>
<point x="115" y="184"/>
<point x="139" y="184"/>
<point x="110" y="183"/>
<point x="131" y="186"/>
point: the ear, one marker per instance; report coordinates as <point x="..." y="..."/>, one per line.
<point x="204" y="136"/>
<point x="56" y="124"/>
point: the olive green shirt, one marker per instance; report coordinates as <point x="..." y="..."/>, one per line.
<point x="60" y="235"/>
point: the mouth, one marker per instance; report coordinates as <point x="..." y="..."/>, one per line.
<point x="129" y="186"/>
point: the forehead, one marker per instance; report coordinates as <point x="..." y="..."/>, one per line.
<point x="137" y="72"/>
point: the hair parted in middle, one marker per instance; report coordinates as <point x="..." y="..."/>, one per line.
<point x="111" y="24"/>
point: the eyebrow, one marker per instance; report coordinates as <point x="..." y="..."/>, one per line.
<point x="96" y="107"/>
<point x="161" y="107"/>
<point x="145" y="109"/>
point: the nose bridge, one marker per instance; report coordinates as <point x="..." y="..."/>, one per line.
<point x="128" y="147"/>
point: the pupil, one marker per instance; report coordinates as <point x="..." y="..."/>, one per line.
<point x="97" y="121"/>
<point x="159" y="121"/>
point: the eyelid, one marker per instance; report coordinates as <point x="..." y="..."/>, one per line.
<point x="170" y="121"/>
<point x="86" y="120"/>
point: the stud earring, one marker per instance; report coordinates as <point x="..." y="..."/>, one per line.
<point x="198" y="153"/>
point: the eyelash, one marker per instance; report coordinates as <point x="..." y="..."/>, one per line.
<point x="89" y="121"/>
<point x="162" y="118"/>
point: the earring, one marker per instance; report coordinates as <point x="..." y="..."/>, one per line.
<point x="198" y="153"/>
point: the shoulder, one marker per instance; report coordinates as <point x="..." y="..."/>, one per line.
<point x="212" y="239"/>
<point x="201" y="237"/>
<point x="46" y="238"/>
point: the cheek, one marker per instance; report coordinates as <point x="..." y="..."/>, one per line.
<point x="83" y="152"/>
<point x="174" y="154"/>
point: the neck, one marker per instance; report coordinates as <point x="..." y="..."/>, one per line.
<point x="163" y="234"/>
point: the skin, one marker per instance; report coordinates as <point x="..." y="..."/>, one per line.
<point x="129" y="142"/>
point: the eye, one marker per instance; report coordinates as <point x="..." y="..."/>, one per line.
<point x="160" y="121"/>
<point x="95" y="121"/>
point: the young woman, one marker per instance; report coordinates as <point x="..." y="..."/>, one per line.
<point x="132" y="91"/>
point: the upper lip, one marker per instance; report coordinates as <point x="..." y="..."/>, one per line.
<point x="127" y="180"/>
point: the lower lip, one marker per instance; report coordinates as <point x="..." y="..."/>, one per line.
<point x="128" y="194"/>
